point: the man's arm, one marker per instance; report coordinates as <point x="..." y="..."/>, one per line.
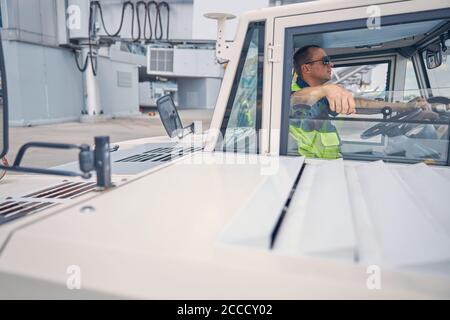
<point x="395" y="106"/>
<point x="309" y="95"/>
<point x="342" y="101"/>
<point x="339" y="99"/>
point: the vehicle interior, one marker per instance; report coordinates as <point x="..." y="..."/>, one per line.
<point x="398" y="64"/>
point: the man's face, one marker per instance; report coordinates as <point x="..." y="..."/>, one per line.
<point x="317" y="70"/>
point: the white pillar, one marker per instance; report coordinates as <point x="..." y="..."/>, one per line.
<point x="92" y="96"/>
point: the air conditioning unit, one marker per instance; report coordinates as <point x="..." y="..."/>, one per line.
<point x="160" y="61"/>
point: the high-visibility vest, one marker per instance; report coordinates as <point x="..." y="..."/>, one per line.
<point x="323" y="143"/>
<point x="245" y="117"/>
<point x="295" y="86"/>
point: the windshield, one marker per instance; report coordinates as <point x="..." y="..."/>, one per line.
<point x="243" y="115"/>
<point x="405" y="130"/>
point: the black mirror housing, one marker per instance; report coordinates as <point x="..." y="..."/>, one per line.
<point x="171" y="119"/>
<point x="433" y="56"/>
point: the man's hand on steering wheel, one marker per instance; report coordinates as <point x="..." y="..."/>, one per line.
<point x="419" y="102"/>
<point x="386" y="127"/>
<point x="425" y="106"/>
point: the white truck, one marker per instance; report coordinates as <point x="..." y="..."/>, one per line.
<point x="237" y="213"/>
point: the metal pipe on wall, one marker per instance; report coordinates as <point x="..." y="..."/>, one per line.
<point x="91" y="87"/>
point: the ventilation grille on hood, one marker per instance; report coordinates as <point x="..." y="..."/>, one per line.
<point x="161" y="154"/>
<point x="14" y="208"/>
<point x="67" y="190"/>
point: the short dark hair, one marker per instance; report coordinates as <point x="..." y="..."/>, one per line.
<point x="303" y="55"/>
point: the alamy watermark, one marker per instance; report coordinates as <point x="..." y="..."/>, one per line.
<point x="239" y="146"/>
<point x="73" y="281"/>
<point x="374" y="19"/>
<point x="73" y="21"/>
<point x="373" y="282"/>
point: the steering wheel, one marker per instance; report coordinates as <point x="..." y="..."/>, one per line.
<point x="439" y="99"/>
<point x="384" y="127"/>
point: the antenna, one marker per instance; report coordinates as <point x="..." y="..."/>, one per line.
<point x="222" y="47"/>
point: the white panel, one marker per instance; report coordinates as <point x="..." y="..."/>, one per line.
<point x="288" y="237"/>
<point x="61" y="26"/>
<point x="327" y="227"/>
<point x="36" y="90"/>
<point x="29" y="18"/>
<point x="254" y="223"/>
<point x="368" y="251"/>
<point x="430" y="190"/>
<point x="406" y="233"/>
<point x="443" y="172"/>
<point x="117" y="100"/>
<point x="206" y="29"/>
<point x="180" y="15"/>
<point x="196" y="62"/>
<point x="48" y="12"/>
<point x="145" y="98"/>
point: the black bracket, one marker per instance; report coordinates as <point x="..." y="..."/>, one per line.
<point x="183" y="132"/>
<point x="98" y="159"/>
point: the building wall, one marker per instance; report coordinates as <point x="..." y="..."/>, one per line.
<point x="196" y="63"/>
<point x="44" y="85"/>
<point x="119" y="87"/>
<point x="198" y="93"/>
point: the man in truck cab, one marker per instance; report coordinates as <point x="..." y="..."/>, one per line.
<point x="316" y="136"/>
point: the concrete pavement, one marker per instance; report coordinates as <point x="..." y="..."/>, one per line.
<point x="120" y="129"/>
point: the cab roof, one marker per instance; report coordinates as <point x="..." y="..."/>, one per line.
<point x="325" y="5"/>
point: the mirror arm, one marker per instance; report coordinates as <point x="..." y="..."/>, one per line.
<point x="16" y="166"/>
<point x="45" y="171"/>
<point x="48" y="145"/>
<point x="89" y="160"/>
<point x="191" y="128"/>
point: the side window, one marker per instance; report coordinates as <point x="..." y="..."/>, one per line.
<point x="440" y="77"/>
<point x="317" y="137"/>
<point x="411" y="85"/>
<point x="242" y="117"/>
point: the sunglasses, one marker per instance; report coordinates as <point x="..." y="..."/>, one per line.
<point x="325" y="61"/>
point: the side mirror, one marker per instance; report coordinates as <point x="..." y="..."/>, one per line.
<point x="171" y="119"/>
<point x="433" y="56"/>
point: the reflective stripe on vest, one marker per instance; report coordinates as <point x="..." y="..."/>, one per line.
<point x="294" y="85"/>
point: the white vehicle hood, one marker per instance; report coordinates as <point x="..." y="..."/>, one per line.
<point x="161" y="236"/>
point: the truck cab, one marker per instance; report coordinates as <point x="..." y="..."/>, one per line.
<point x="393" y="53"/>
<point x="239" y="212"/>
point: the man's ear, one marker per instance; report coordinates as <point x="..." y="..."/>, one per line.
<point x="305" y="68"/>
